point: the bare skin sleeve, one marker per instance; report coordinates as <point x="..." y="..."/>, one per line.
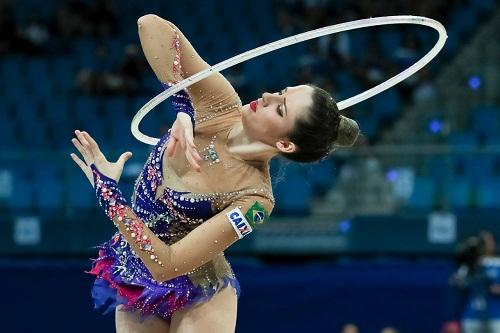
<point x="173" y="58"/>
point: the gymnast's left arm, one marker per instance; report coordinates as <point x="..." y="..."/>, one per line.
<point x="201" y="245"/>
<point x="167" y="261"/>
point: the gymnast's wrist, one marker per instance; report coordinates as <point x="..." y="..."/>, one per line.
<point x="107" y="192"/>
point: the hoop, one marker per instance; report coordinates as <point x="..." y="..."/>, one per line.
<point x="364" y="23"/>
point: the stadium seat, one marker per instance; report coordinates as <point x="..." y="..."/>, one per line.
<point x="488" y="194"/>
<point x="423" y="194"/>
<point x="293" y="195"/>
<point x="321" y="176"/>
<point x="460" y="191"/>
<point x="49" y="193"/>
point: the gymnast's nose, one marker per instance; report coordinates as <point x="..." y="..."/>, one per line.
<point x="268" y="98"/>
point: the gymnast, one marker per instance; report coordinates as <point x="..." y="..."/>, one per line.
<point x="205" y="185"/>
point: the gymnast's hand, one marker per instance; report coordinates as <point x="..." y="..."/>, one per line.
<point x="182" y="133"/>
<point x="91" y="153"/>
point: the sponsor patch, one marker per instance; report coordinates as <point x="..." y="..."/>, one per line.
<point x="256" y="214"/>
<point x="239" y="223"/>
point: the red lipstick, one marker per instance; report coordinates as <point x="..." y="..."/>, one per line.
<point x="253" y="106"/>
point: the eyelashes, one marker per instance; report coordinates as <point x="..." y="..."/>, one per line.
<point x="278" y="110"/>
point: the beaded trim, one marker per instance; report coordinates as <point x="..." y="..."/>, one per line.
<point x="114" y="204"/>
<point x="176" y="66"/>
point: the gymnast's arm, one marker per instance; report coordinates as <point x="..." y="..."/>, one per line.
<point x="201" y="245"/>
<point x="173" y="58"/>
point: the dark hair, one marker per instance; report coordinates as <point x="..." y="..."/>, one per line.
<point x="321" y="130"/>
<point x="469" y="251"/>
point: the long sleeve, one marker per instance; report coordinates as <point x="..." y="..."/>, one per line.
<point x="198" y="247"/>
<point x="182" y="103"/>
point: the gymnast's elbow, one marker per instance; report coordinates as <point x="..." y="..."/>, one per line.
<point x="151" y="20"/>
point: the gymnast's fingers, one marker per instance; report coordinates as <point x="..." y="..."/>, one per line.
<point x="172" y="142"/>
<point x="94" y="147"/>
<point x="192" y="146"/>
<point x="192" y="160"/>
<point x="82" y="139"/>
<point x="83" y="166"/>
<point x="83" y="150"/>
<point x="182" y="141"/>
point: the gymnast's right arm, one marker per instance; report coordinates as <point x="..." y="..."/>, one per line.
<point x="173" y="58"/>
<point x="158" y="41"/>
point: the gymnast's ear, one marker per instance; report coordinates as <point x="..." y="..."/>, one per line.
<point x="286" y="146"/>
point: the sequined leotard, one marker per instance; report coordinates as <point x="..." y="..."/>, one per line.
<point x="172" y="201"/>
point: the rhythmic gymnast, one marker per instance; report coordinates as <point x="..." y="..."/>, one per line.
<point x="205" y="185"/>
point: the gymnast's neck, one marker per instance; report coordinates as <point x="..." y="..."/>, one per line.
<point x="243" y="147"/>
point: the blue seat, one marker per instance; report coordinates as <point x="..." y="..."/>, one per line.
<point x="43" y="91"/>
<point x="465" y="139"/>
<point x="8" y="137"/>
<point x="463" y="20"/>
<point x="11" y="67"/>
<point x="15" y="89"/>
<point x="389" y="41"/>
<point x="45" y="170"/>
<point x="7" y="127"/>
<point x="38" y="78"/>
<point x="84" y="51"/>
<point x="423" y="194"/>
<point x="368" y="125"/>
<point x="37" y="70"/>
<point x="479" y="167"/>
<point x="162" y="115"/>
<point x="346" y="84"/>
<point x="85" y="107"/>
<point x="115" y="108"/>
<point x="57" y="110"/>
<point x="358" y="44"/>
<point x="438" y="168"/>
<point x="293" y="196"/>
<point x="24" y="202"/>
<point x="488" y="194"/>
<point x="120" y="133"/>
<point x="386" y="104"/>
<point x="63" y="71"/>
<point x="27" y="109"/>
<point x="49" y="194"/>
<point x="321" y="176"/>
<point x="460" y="192"/>
<point x="79" y="192"/>
<point x="483" y="6"/>
<point x="486" y="120"/>
<point x="34" y="135"/>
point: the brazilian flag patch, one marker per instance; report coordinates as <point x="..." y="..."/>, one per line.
<point x="256" y="214"/>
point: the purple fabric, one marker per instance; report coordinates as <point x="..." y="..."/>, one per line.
<point x="122" y="278"/>
<point x="181" y="102"/>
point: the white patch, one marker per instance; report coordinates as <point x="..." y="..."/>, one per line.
<point x="239" y="223"/>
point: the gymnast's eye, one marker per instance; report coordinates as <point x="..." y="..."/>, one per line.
<point x="280" y="112"/>
<point x="278" y="109"/>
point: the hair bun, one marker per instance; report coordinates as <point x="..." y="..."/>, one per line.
<point x="347" y="132"/>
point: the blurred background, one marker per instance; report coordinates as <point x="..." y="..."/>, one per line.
<point x="397" y="233"/>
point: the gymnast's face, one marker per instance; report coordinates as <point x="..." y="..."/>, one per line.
<point x="270" y="118"/>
